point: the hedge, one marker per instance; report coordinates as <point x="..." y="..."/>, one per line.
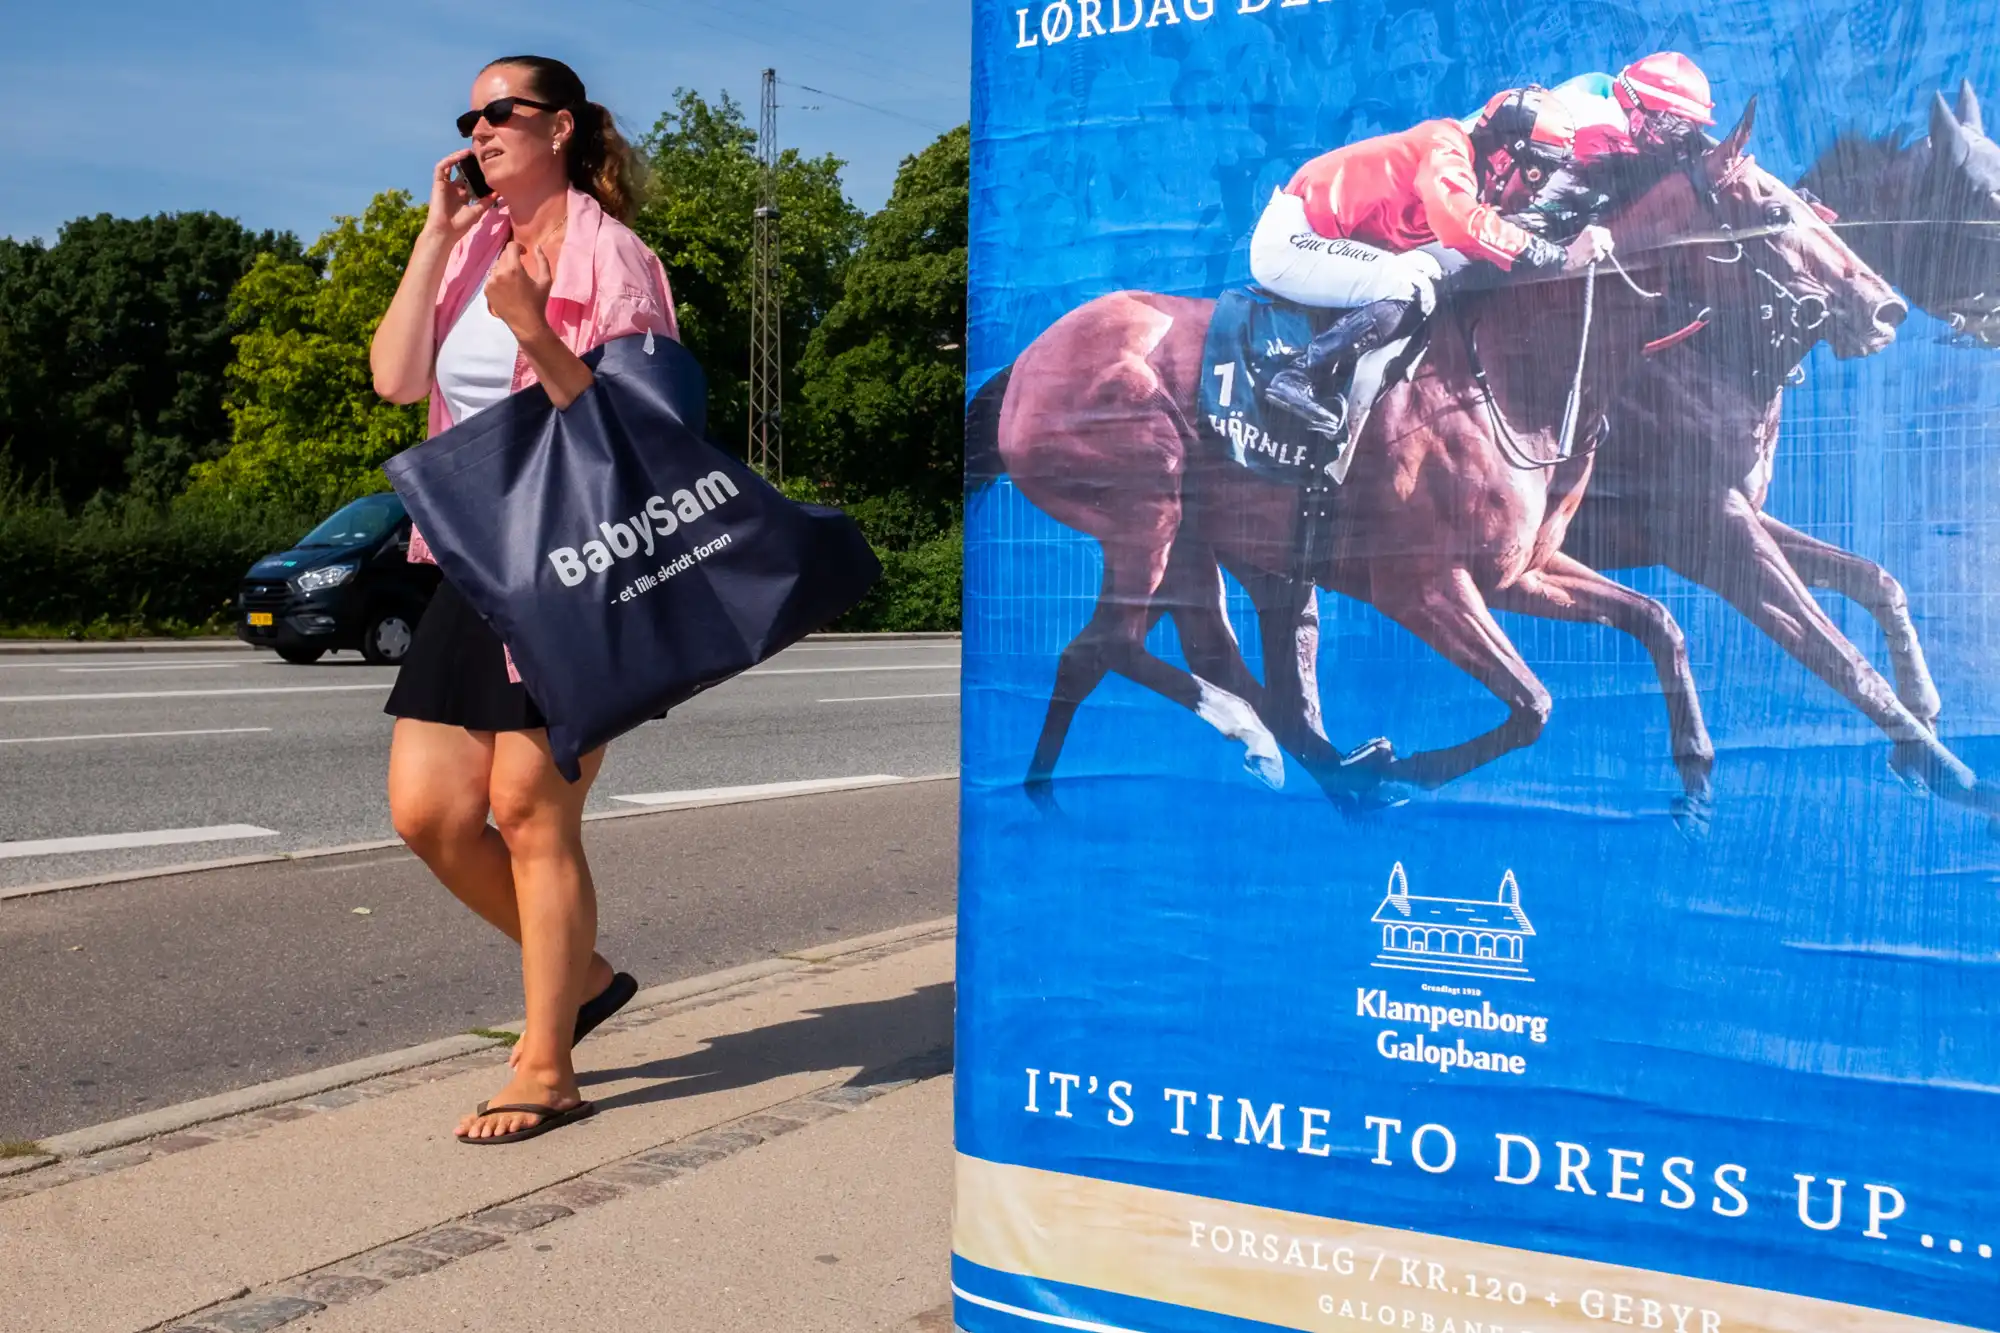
<point x="920" y="589"/>
<point x="128" y="568"/>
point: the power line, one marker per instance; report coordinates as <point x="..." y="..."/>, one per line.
<point x="874" y="69"/>
<point x="874" y="58"/>
<point x="867" y="106"/>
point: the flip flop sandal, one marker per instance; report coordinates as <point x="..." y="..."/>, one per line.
<point x="548" y="1118"/>
<point x="608" y="1002"/>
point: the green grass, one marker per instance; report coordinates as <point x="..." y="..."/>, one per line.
<point x="495" y="1034"/>
<point x="20" y="1148"/>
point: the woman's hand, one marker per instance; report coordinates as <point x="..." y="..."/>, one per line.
<point x="517" y="291"/>
<point x="453" y="209"/>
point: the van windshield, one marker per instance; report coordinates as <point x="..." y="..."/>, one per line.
<point x="368" y="519"/>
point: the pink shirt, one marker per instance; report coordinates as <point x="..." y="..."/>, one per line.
<point x="608" y="284"/>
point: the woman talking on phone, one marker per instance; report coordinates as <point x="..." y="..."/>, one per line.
<point x="513" y="277"/>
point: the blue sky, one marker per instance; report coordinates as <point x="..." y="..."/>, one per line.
<point x="285" y="113"/>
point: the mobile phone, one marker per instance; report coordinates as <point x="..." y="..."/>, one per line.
<point x="473" y="178"/>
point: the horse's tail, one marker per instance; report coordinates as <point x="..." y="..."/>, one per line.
<point x="983" y="463"/>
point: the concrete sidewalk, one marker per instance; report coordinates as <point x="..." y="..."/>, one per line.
<point x="773" y="1155"/>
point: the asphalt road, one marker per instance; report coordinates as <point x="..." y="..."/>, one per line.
<point x="129" y="762"/>
<point x="133" y="996"/>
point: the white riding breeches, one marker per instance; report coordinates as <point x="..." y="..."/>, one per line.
<point x="1289" y="259"/>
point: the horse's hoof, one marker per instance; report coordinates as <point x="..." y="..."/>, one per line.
<point x="1267" y="767"/>
<point x="1042" y="795"/>
<point x="1986" y="798"/>
<point x="1693" y="816"/>
<point x="1375" y="756"/>
<point x="1912" y="765"/>
<point x="1384" y="796"/>
<point x="1932" y="768"/>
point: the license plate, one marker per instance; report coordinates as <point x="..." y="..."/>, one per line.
<point x="260" y="618"/>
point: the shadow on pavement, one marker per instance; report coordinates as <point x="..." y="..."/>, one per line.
<point x="907" y="1037"/>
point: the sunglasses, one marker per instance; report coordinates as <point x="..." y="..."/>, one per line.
<point x="498" y="112"/>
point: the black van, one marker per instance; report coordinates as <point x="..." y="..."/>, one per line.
<point x="347" y="584"/>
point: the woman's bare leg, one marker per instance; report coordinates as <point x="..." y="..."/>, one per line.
<point x="439" y="794"/>
<point x="540" y="819"/>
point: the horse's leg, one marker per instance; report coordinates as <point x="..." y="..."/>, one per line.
<point x="1194" y="594"/>
<point x="1115" y="640"/>
<point x="1875" y="590"/>
<point x="1288" y="624"/>
<point x="1566" y="589"/>
<point x="1736" y="557"/>
<point x="1446" y="611"/>
<point x="1124" y="606"/>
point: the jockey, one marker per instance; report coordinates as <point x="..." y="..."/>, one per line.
<point x="1656" y="104"/>
<point x="1347" y="234"/>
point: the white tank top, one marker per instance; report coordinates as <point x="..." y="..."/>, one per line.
<point x="475" y="366"/>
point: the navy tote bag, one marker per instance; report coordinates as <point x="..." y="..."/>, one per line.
<point x="626" y="561"/>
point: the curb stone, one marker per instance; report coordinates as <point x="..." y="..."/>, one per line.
<point x="86" y="647"/>
<point x="362" y="1275"/>
<point x="99" y="1149"/>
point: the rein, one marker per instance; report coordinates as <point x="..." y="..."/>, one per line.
<point x="1511" y="448"/>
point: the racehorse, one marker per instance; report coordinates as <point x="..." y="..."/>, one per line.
<point x="1925" y="213"/>
<point x="1458" y="502"/>
<point x="1684" y="480"/>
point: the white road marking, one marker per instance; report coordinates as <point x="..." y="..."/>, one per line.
<point x="886" y="698"/>
<point x="761" y="791"/>
<point x="177" y="666"/>
<point x="54" y="662"/>
<point x="127" y="735"/>
<point x="191" y="694"/>
<point x="839" y="671"/>
<point x="358" y="865"/>
<point x="108" y="842"/>
<point x="916" y="646"/>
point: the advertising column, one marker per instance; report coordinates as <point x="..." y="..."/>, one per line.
<point x="1482" y="666"/>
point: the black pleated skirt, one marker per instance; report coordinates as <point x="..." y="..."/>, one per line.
<point x="456" y="673"/>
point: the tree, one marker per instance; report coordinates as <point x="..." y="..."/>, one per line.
<point x="698" y="219"/>
<point x="308" y="428"/>
<point x="113" y="346"/>
<point x="884" y="373"/>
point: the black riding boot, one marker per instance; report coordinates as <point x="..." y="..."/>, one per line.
<point x="1306" y="388"/>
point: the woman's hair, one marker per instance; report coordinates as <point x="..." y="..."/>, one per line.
<point x="601" y="163"/>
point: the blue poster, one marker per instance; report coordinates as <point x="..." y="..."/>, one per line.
<point x="1482" y="668"/>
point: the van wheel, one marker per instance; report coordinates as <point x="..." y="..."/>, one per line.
<point x="386" y="642"/>
<point x="302" y="656"/>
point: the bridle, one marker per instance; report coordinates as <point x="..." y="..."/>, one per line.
<point x="1791" y="320"/>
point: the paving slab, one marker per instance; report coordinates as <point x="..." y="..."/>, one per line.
<point x="843" y="1227"/>
<point x="275" y="1198"/>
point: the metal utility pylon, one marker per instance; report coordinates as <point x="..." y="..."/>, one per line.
<point x="767" y="444"/>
